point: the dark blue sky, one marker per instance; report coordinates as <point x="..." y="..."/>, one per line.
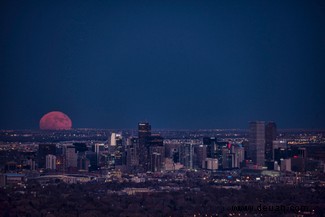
<point x="177" y="64"/>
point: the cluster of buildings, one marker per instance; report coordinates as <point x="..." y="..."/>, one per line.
<point x="147" y="152"/>
<point x="263" y="150"/>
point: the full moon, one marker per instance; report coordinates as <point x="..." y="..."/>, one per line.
<point x="55" y="121"/>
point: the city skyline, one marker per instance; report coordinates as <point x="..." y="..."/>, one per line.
<point x="184" y="169"/>
<point x="186" y="64"/>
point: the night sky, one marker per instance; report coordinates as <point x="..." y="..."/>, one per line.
<point x="177" y="64"/>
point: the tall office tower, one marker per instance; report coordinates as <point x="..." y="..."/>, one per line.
<point x="155" y="145"/>
<point x="83" y="163"/>
<point x="81" y="149"/>
<point x="226" y="161"/>
<point x="280" y="150"/>
<point x="43" y="150"/>
<point x="99" y="148"/>
<point x="256" y="141"/>
<point x="144" y="132"/>
<point x="119" y="153"/>
<point x="200" y="153"/>
<point x="214" y="149"/>
<point x="92" y="157"/>
<point x="270" y="136"/>
<point x="71" y="157"/>
<point x="186" y="155"/>
<point x="132" y="148"/>
<point x="51" y="162"/>
<point x="156" y="155"/>
<point x="246" y="149"/>
<point x="231" y="161"/>
<point x="239" y="155"/>
<point x="113" y="139"/>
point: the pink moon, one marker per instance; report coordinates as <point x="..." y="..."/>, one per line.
<point x="55" y="121"/>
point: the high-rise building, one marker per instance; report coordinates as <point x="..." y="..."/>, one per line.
<point x="132" y="149"/>
<point x="239" y="155"/>
<point x="229" y="161"/>
<point x="83" y="163"/>
<point x="144" y="132"/>
<point x="286" y="164"/>
<point x="215" y="149"/>
<point x="99" y="148"/>
<point x="210" y="164"/>
<point x="256" y="140"/>
<point x="51" y="162"/>
<point x="200" y="153"/>
<point x="43" y="150"/>
<point x="212" y="147"/>
<point x="71" y="157"/>
<point x="113" y="139"/>
<point x="92" y="157"/>
<point x="119" y="153"/>
<point x="186" y="155"/>
<point x="270" y="136"/>
<point x="156" y="154"/>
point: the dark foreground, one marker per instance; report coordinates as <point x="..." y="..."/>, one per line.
<point x="107" y="200"/>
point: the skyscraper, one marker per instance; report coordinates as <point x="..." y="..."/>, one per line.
<point x="119" y="153"/>
<point x="99" y="148"/>
<point x="239" y="154"/>
<point x="71" y="157"/>
<point x="132" y="159"/>
<point x="256" y="141"/>
<point x="156" y="153"/>
<point x="270" y="136"/>
<point x="113" y="139"/>
<point x="144" y="132"/>
<point x="43" y="150"/>
<point x="156" y="156"/>
<point x="50" y="162"/>
<point x="186" y="155"/>
<point x="200" y="153"/>
<point x="214" y="149"/>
